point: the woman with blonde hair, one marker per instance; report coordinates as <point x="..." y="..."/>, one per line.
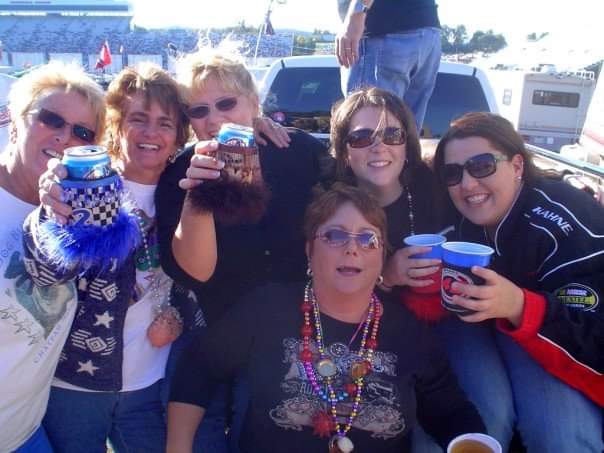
<point x="108" y="383"/>
<point x="220" y="90"/>
<point x="51" y="108"/>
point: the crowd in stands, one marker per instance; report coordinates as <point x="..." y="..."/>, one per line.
<point x="85" y="34"/>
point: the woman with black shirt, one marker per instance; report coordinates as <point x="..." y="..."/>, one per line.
<point x="330" y="367"/>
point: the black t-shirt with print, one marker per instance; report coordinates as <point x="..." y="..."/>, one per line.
<point x="260" y="338"/>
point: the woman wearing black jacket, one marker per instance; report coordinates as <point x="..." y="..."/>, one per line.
<point x="545" y="284"/>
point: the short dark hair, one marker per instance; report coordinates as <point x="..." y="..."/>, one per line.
<point x="498" y="131"/>
<point x="326" y="202"/>
<point x="343" y="112"/>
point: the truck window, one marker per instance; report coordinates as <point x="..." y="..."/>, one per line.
<point x="305" y="97"/>
<point x="453" y="96"/>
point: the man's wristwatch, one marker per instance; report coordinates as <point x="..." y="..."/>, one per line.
<point x="359" y="7"/>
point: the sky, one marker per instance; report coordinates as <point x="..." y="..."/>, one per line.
<point x="513" y="18"/>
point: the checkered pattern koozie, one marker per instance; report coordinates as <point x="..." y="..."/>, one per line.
<point x="94" y="202"/>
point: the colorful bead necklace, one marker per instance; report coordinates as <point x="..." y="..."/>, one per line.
<point x="324" y="370"/>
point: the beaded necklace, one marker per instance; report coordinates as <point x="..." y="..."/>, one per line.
<point x="324" y="370"/>
<point x="411" y="215"/>
<point x="167" y="323"/>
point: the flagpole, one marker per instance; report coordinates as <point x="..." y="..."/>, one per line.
<point x="260" y="30"/>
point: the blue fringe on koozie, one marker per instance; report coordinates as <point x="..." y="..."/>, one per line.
<point x="90" y="246"/>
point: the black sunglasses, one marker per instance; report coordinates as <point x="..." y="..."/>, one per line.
<point x="362" y="138"/>
<point x="479" y="166"/>
<point x="56" y="121"/>
<point x="201" y="111"/>
<point x="339" y="238"/>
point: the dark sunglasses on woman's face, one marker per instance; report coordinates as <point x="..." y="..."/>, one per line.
<point x="201" y="111"/>
<point x="479" y="166"/>
<point x="56" y="121"/>
<point x="362" y="138"/>
<point x="339" y="238"/>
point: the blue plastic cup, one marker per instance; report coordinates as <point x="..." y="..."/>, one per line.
<point x="458" y="259"/>
<point x="428" y="240"/>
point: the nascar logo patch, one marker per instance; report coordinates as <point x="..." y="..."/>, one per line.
<point x="575" y="295"/>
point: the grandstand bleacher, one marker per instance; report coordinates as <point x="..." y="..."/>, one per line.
<point x="34" y="37"/>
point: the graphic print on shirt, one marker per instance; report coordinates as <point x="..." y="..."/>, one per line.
<point x="33" y="310"/>
<point x="380" y="409"/>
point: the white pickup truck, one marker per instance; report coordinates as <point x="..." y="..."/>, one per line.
<point x="300" y="91"/>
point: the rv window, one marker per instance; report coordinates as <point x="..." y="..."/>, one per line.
<point x="556" y="98"/>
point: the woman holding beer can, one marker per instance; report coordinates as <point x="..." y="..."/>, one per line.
<point x="265" y="245"/>
<point x="544" y="287"/>
<point x="53" y="107"/>
<point x="109" y="381"/>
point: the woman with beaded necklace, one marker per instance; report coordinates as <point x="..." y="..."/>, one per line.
<point x="329" y="366"/>
<point x="109" y="380"/>
<point x="375" y="142"/>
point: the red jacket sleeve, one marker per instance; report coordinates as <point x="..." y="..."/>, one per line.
<point x="552" y="356"/>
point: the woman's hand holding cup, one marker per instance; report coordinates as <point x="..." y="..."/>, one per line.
<point x="496" y="298"/>
<point x="402" y="270"/>
<point x="203" y="166"/>
<point x="51" y="192"/>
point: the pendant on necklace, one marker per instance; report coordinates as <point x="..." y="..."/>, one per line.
<point x="359" y="369"/>
<point x="326" y="368"/>
<point x="165" y="327"/>
<point x="339" y="444"/>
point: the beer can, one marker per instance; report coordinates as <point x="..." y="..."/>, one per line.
<point x="237" y="148"/>
<point x="85" y="163"/>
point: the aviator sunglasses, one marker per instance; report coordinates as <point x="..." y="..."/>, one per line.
<point x="201" y="111"/>
<point x="479" y="166"/>
<point x="56" y="121"/>
<point x="362" y="138"/>
<point x="340" y="238"/>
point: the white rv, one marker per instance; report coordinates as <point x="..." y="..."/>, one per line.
<point x="590" y="147"/>
<point x="547" y="108"/>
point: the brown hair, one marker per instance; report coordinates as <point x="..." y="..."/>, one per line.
<point x="156" y="85"/>
<point x="326" y="202"/>
<point x="342" y="114"/>
<point x="498" y="131"/>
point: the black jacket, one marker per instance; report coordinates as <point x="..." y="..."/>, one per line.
<point x="250" y="255"/>
<point x="551" y="244"/>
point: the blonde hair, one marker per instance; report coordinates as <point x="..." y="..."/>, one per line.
<point x="156" y="85"/>
<point x="57" y="76"/>
<point x="194" y="70"/>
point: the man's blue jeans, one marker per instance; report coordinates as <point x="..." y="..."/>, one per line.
<point x="37" y="443"/>
<point x="510" y="389"/>
<point x="405" y="64"/>
<point x="79" y="421"/>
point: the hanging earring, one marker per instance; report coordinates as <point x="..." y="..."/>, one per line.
<point x="379" y="280"/>
<point x="519" y="178"/>
<point x="309" y="271"/>
<point x="172" y="158"/>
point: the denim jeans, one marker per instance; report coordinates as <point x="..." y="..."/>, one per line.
<point x="37" y="443"/>
<point x="510" y="389"/>
<point x="475" y="359"/>
<point x="405" y="64"/>
<point x="552" y="417"/>
<point x="79" y="421"/>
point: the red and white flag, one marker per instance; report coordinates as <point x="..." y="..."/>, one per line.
<point x="104" y="57"/>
